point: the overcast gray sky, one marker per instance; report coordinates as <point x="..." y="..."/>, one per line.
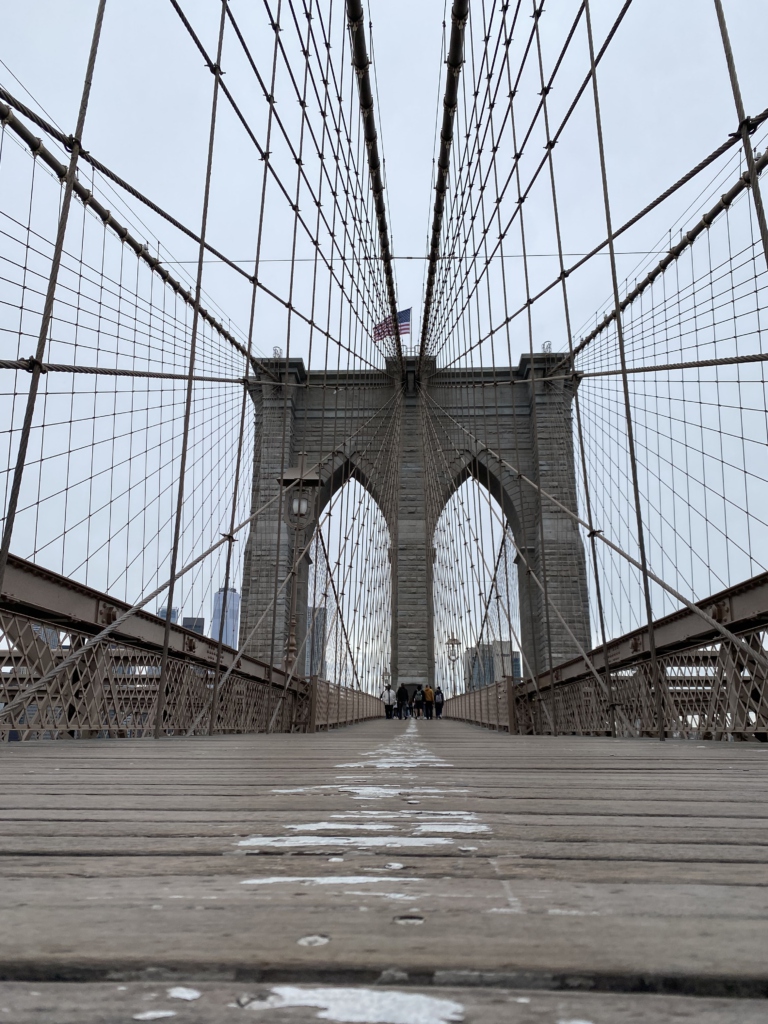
<point x="666" y="104"/>
<point x="664" y="87"/>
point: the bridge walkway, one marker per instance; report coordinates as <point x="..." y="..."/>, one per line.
<point x="517" y="879"/>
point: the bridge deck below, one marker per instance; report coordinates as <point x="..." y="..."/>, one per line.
<point x="424" y="858"/>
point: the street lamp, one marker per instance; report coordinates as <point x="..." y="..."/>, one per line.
<point x="453" y="647"/>
<point x="299" y="514"/>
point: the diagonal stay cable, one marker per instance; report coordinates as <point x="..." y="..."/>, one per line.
<point x="264" y="155"/>
<point x="144" y="601"/>
<point x="542" y="163"/>
<point x="519" y="475"/>
<point x="140" y="248"/>
<point x="662" y="197"/>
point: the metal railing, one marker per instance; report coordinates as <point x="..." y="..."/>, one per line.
<point x="58" y="682"/>
<point x="112" y="690"/>
<point x="713" y="691"/>
<point x="711" y="687"/>
<point x="333" y="705"/>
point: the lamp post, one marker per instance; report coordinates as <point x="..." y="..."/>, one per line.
<point x="299" y="514"/>
<point x="453" y="647"/>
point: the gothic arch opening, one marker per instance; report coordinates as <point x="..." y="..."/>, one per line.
<point x="475" y="591"/>
<point x="348" y="598"/>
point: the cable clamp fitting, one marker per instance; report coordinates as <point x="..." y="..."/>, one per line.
<point x="749" y="123"/>
<point x="594" y="533"/>
<point x="33" y="364"/>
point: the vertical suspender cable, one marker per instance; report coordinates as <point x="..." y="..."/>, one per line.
<point x="454" y="61"/>
<point x="245" y="399"/>
<point x="45" y="323"/>
<point x="655" y="676"/>
<point x="745" y="126"/>
<point x="576" y="400"/>
<point x="537" y="460"/>
<point x="163" y="681"/>
<point x="361" y="65"/>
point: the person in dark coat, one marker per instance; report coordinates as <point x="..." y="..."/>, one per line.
<point x="418" y="703"/>
<point x="439" y="701"/>
<point x="402" y="700"/>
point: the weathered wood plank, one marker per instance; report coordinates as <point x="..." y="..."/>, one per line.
<point x="221" y="1002"/>
<point x="418" y="848"/>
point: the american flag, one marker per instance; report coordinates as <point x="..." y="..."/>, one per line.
<point x="384" y="329"/>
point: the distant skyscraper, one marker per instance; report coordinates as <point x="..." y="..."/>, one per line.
<point x="196" y="625"/>
<point x="490" y="663"/>
<point x="478" y="666"/>
<point x="316" y="638"/>
<point x="231" y="617"/>
<point x="48" y="634"/>
<point x="506" y="660"/>
<point x="162" y="612"/>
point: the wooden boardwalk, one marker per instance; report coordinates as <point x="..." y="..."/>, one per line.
<point x="510" y="879"/>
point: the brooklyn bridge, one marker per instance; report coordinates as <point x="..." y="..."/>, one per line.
<point x="383" y="604"/>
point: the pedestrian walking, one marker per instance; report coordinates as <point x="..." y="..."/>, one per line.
<point x="402" y="700"/>
<point x="439" y="701"/>
<point x="429" y="701"/>
<point x="388" y="698"/>
<point x="418" y="703"/>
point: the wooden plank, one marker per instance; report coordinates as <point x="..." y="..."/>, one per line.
<point x="221" y="1002"/>
<point x="621" y="864"/>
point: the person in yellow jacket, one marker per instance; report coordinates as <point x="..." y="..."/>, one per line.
<point x="429" y="701"/>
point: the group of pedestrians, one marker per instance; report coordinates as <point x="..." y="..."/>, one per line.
<point x="424" y="702"/>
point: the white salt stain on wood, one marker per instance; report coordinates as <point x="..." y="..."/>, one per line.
<point x="364" y="1005"/>
<point x="327" y="880"/>
<point x="437" y="826"/>
<point x="404" y="813"/>
<point x="365" y="792"/>
<point x="314" y="940"/>
<point x="395" y="761"/>
<point x="356" y="841"/>
<point x="573" y="913"/>
<point x="189" y="994"/>
<point x="383" y="895"/>
<point x="401" y="754"/>
<point x="319" y="826"/>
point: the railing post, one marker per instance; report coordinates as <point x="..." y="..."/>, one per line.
<point x="511" y="709"/>
<point x="312" y="723"/>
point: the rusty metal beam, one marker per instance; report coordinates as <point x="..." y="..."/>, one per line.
<point x="63" y="603"/>
<point x="742" y="608"/>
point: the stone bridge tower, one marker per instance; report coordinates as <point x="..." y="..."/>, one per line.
<point x="461" y="437"/>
